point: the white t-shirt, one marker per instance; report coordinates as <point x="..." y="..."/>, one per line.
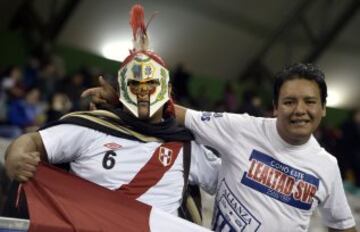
<point x="265" y="183"/>
<point x="114" y="163"/>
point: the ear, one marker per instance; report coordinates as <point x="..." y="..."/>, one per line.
<point x="324" y="111"/>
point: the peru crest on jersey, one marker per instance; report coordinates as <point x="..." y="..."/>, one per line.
<point x="165" y="156"/>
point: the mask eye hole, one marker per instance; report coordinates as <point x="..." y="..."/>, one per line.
<point x="153" y="82"/>
<point x="133" y="83"/>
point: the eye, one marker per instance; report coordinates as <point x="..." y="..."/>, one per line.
<point x="153" y="82"/>
<point x="133" y="83"/>
<point x="288" y="103"/>
<point x="311" y="102"/>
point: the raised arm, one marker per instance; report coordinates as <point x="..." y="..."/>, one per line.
<point x="105" y="93"/>
<point x="23" y="155"/>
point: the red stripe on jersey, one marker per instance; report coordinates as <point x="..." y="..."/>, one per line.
<point x="152" y="172"/>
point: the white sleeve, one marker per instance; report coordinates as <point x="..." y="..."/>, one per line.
<point x="335" y="210"/>
<point x="216" y="130"/>
<point x="204" y="168"/>
<point x="64" y="143"/>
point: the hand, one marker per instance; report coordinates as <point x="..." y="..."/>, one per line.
<point x="22" y="166"/>
<point x="105" y="94"/>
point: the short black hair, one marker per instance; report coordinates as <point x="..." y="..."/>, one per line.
<point x="300" y="71"/>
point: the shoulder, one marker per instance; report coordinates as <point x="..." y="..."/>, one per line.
<point x="232" y="118"/>
<point x="323" y="157"/>
<point x="328" y="158"/>
<point x="65" y="127"/>
<point x="69" y="130"/>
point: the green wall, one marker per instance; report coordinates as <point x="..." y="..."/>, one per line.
<point x="12" y="49"/>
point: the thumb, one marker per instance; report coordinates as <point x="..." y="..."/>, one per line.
<point x="35" y="157"/>
<point x="104" y="83"/>
<point x="108" y="91"/>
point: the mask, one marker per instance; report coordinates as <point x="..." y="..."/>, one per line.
<point x="143" y="68"/>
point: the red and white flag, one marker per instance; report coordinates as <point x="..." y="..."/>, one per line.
<point x="59" y="202"/>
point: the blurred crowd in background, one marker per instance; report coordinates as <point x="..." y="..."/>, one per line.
<point x="41" y="91"/>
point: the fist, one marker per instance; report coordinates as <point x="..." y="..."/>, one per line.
<point x="22" y="166"/>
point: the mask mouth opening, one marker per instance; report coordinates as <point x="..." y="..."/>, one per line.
<point x="143" y="102"/>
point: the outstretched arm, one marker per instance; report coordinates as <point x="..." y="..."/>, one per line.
<point x="23" y="155"/>
<point x="180" y="113"/>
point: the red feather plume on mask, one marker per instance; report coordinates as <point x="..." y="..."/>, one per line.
<point x="137" y="20"/>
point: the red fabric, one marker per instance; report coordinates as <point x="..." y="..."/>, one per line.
<point x="59" y="202"/>
<point x="151" y="173"/>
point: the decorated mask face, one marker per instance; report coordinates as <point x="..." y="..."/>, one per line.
<point x="144" y="85"/>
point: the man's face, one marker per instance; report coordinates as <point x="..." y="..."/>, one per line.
<point x="299" y="110"/>
<point x="143" y="90"/>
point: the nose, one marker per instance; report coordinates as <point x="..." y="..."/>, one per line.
<point x="143" y="88"/>
<point x="300" y="108"/>
<point x="143" y="91"/>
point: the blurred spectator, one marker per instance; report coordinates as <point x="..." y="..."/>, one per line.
<point x="59" y="65"/>
<point x="74" y="87"/>
<point x="12" y="83"/>
<point x="25" y="113"/>
<point x="60" y="105"/>
<point x="230" y="97"/>
<point x="3" y="105"/>
<point x="181" y="79"/>
<point x="48" y="80"/>
<point x="252" y="104"/>
<point x="350" y="143"/>
<point x="11" y="89"/>
<point x="31" y="72"/>
<point x="202" y="101"/>
<point x="329" y="136"/>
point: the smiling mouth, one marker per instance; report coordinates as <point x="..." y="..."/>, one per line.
<point x="299" y="122"/>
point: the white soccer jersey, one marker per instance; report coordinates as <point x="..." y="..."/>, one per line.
<point x="267" y="184"/>
<point x="149" y="172"/>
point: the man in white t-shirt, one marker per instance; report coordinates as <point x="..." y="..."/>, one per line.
<point x="274" y="173"/>
<point x="138" y="150"/>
